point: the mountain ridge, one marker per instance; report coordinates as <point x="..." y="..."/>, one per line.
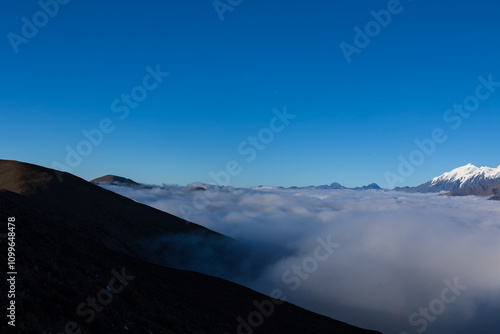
<point x="492" y="190"/>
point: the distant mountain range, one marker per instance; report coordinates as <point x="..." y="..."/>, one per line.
<point x="335" y="185"/>
<point x="461" y="181"/>
<point x="482" y="181"/>
<point x="459" y="178"/>
<point x="197" y="186"/>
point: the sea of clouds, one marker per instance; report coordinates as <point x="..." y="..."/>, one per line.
<point x="384" y="260"/>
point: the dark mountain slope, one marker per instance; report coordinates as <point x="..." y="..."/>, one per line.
<point x="59" y="269"/>
<point x="115" y="221"/>
<point x="63" y="262"/>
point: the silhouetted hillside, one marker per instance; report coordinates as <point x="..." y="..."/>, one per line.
<point x="69" y="277"/>
<point x="116" y="221"/>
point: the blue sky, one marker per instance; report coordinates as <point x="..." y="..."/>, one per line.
<point x="353" y="120"/>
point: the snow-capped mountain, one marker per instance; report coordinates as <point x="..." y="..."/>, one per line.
<point x="468" y="175"/>
<point x="459" y="178"/>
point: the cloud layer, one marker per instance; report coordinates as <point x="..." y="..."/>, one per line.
<point x="395" y="253"/>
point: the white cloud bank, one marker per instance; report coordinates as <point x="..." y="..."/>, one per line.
<point x="405" y="263"/>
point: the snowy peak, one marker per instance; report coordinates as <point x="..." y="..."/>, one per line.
<point x="465" y="174"/>
<point x="459" y="178"/>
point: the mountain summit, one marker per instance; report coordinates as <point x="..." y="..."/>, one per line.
<point x="468" y="175"/>
<point x="459" y="178"/>
<point x="117" y="180"/>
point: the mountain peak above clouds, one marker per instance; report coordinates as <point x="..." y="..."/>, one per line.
<point x="371" y="186"/>
<point x="116" y="180"/>
<point x="458" y="178"/>
<point x="466" y="174"/>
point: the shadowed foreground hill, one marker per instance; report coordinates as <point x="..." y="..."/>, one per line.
<point x="62" y="265"/>
<point x="113" y="220"/>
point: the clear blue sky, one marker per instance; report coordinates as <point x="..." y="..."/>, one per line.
<point x="225" y="77"/>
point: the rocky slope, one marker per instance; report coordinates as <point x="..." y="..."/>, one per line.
<point x="490" y="190"/>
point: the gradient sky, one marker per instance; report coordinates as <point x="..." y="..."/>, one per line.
<point x="353" y="120"/>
